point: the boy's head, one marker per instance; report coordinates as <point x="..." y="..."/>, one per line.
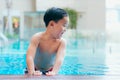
<point x="56" y="20"/>
<point x="54" y="14"/>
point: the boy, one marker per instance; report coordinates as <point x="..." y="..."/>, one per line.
<point x="46" y="51"/>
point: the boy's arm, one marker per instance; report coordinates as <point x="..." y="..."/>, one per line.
<point x="31" y="54"/>
<point x="59" y="59"/>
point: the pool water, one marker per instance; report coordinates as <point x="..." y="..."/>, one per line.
<point x="82" y="57"/>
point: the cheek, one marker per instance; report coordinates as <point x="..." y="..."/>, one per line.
<point x="56" y="31"/>
<point x="60" y="30"/>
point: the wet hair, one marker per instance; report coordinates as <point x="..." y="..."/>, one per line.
<point x="54" y="14"/>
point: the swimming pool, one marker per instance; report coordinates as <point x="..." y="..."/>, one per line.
<point x="83" y="57"/>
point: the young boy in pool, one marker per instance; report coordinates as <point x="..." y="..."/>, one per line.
<point x="46" y="51"/>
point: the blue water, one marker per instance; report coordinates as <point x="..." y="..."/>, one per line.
<point x="82" y="58"/>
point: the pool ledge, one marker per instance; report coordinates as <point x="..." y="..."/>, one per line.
<point x="59" y="77"/>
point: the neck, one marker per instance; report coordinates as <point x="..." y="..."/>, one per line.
<point x="48" y="34"/>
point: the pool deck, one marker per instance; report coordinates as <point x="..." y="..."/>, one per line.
<point x="59" y="77"/>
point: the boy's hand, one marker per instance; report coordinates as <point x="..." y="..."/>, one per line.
<point x="50" y="73"/>
<point x="36" y="73"/>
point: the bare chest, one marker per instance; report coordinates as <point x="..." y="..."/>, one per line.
<point x="49" y="46"/>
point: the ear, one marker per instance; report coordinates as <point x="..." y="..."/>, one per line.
<point x="52" y="23"/>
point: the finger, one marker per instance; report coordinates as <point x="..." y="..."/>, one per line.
<point x="37" y="73"/>
<point x="48" y="73"/>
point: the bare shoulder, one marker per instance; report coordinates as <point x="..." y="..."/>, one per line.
<point x="63" y="42"/>
<point x="36" y="35"/>
<point x="35" y="38"/>
<point x="62" y="48"/>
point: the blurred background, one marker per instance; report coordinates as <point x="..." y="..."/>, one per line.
<point x="92" y="36"/>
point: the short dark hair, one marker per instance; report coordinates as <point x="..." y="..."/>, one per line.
<point x="54" y="14"/>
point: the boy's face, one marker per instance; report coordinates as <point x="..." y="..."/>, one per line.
<point x="60" y="27"/>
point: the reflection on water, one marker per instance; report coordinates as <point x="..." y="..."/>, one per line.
<point x="113" y="57"/>
<point x="90" y="56"/>
<point x="83" y="57"/>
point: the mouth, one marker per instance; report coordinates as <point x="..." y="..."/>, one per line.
<point x="60" y="35"/>
<point x="62" y="32"/>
